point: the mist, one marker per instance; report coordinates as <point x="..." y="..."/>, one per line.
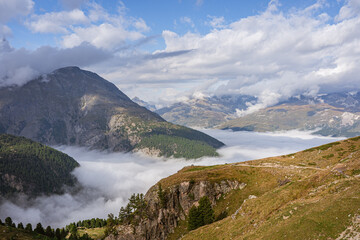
<point x="109" y="179"/>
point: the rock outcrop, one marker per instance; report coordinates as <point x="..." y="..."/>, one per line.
<point x="162" y="220"/>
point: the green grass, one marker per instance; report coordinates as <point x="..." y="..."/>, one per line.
<point x="322" y="147"/>
<point x="177" y="147"/>
<point x="95" y="233"/>
<point x="200" y="168"/>
<point x="9" y="233"/>
<point x="328" y="156"/>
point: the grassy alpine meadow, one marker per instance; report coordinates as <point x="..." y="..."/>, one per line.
<point x="312" y="194"/>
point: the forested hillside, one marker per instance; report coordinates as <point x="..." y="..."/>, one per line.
<point x="32" y="168"/>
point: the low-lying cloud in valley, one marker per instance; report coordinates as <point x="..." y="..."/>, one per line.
<point x="110" y="178"/>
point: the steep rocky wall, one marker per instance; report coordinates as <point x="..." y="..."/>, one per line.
<point x="180" y="198"/>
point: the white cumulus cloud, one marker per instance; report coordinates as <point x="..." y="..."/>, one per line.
<point x="13" y="8"/>
<point x="94" y="25"/>
<point x="10" y="9"/>
<point x="56" y="22"/>
<point x="273" y="55"/>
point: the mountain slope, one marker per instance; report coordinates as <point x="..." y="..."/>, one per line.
<point x="313" y="194"/>
<point x="205" y="112"/>
<point x="322" y="118"/>
<point x="336" y="114"/>
<point x="32" y="168"/>
<point x="142" y="103"/>
<point x="76" y="107"/>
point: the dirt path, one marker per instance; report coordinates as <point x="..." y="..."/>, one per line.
<point x="274" y="165"/>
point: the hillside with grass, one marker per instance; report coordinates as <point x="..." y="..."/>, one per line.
<point x="312" y="194"/>
<point x="32" y="168"/>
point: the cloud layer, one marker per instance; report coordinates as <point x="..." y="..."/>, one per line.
<point x="110" y="179"/>
<point x="18" y="66"/>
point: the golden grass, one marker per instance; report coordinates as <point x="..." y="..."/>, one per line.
<point x="94" y="233"/>
<point x="317" y="201"/>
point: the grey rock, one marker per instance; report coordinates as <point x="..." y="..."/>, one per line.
<point x="180" y="198"/>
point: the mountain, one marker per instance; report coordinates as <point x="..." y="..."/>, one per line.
<point x="205" y="112"/>
<point x="312" y="194"/>
<point x="75" y="107"/>
<point x="142" y="103"/>
<point x="32" y="168"/>
<point x="336" y="114"/>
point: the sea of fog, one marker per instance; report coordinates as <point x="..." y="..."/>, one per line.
<point x="110" y="178"/>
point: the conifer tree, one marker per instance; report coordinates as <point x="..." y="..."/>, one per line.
<point x="58" y="234"/>
<point x="49" y="232"/>
<point x="8" y="222"/>
<point x="20" y="225"/>
<point x="28" y="227"/>
<point x="202" y="215"/>
<point x="206" y="211"/>
<point x="194" y="218"/>
<point x="39" y="229"/>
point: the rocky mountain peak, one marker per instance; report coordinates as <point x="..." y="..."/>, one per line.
<point x="76" y="107"/>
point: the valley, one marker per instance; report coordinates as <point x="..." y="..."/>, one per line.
<point x="109" y="179"/>
<point x="179" y="120"/>
<point x="312" y="194"/>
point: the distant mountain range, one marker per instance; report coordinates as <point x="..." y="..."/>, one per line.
<point x="71" y="106"/>
<point x="205" y="112"/>
<point x="142" y="103"/>
<point x="335" y="114"/>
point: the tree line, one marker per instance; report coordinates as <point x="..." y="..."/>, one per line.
<point x="89" y="223"/>
<point x="47" y="233"/>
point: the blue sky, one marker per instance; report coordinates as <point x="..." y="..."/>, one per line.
<point x="174" y="50"/>
<point x="180" y="16"/>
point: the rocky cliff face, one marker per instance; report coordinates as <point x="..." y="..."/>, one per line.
<point x="162" y="220"/>
<point x="75" y="107"/>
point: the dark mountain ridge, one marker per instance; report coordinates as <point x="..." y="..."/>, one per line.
<point x="71" y="106"/>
